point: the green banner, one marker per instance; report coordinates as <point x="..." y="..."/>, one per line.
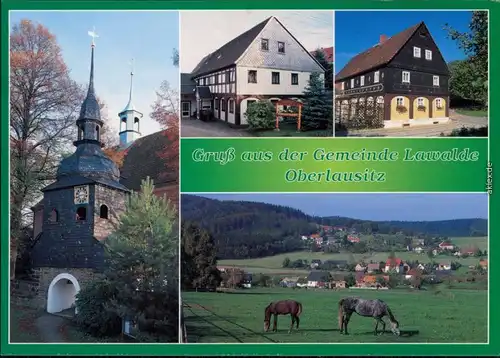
<point x="341" y="165"/>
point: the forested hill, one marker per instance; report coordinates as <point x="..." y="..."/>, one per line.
<point x="244" y="229"/>
<point x="248" y="229"/>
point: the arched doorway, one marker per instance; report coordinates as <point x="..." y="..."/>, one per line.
<point x="62" y="293"/>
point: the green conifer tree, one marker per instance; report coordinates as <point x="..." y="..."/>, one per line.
<point x="317" y="112"/>
<point x="142" y="263"/>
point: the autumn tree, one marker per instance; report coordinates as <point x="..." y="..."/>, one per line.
<point x="109" y="138"/>
<point x="44" y="104"/>
<point x="165" y="111"/>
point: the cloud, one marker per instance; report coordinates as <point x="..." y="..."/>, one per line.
<point x="312" y="28"/>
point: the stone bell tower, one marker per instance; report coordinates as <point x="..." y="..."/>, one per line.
<point x="78" y="211"/>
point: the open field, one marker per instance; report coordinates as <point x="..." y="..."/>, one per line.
<point x="424" y="316"/>
<point x="273" y="264"/>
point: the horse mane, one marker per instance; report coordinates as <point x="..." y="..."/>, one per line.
<point x="391" y="316"/>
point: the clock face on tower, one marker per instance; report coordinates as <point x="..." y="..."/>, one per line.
<point x="81" y="194"/>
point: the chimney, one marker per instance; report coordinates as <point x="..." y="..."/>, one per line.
<point x="383" y="38"/>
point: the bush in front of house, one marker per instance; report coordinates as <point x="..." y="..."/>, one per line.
<point x="470" y="132"/>
<point x="261" y="115"/>
<point x="93" y="316"/>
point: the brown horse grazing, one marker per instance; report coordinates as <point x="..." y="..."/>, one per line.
<point x="285" y="307"/>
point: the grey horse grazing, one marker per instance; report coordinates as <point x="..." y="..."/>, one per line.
<point x="366" y="308"/>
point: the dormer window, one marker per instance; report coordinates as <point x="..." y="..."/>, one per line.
<point x="376" y="77"/>
<point x="352" y="82"/>
<point x="362" y="81"/>
<point x="428" y="55"/>
<point x="416" y="52"/>
<point x="264" y="44"/>
<point x="281" y="47"/>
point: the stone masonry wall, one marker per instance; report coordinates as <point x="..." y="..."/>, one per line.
<point x="115" y="201"/>
<point x="42" y="277"/>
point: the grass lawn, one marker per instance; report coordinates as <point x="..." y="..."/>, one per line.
<point x="290" y="130"/>
<point x="472" y="112"/>
<point x="424" y="316"/>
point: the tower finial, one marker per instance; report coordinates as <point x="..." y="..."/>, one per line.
<point x="131" y="80"/>
<point x="93" y="34"/>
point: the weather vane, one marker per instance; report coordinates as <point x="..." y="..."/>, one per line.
<point x="93" y="34"/>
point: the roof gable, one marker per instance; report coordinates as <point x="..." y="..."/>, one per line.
<point x="378" y="55"/>
<point x="296" y="57"/>
<point x="143" y="159"/>
<point x="229" y="53"/>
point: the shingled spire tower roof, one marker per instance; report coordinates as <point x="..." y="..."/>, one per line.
<point x="88" y="163"/>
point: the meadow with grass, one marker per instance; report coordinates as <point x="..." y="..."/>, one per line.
<point x="438" y="315"/>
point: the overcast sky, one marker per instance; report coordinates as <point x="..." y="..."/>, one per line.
<point x="146" y="36"/>
<point x="202" y="33"/>
<point x="387" y="206"/>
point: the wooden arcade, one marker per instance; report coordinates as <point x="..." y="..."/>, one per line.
<point x="291" y="103"/>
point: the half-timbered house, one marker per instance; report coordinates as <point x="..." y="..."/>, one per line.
<point x="265" y="62"/>
<point x="401" y="81"/>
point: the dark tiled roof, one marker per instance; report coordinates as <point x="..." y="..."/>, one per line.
<point x="188" y="86"/>
<point x="378" y="55"/>
<point x="66" y="182"/>
<point x="318" y="276"/>
<point x="228" y="54"/>
<point x="204" y="92"/>
<point x="143" y="159"/>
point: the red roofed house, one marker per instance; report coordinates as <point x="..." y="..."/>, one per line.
<point x="353" y="239"/>
<point x="328" y="53"/>
<point x="394" y="264"/>
<point x="445" y="245"/>
<point x="400" y="81"/>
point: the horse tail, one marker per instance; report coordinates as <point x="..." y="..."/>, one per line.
<point x="341" y="313"/>
<point x="299" y="309"/>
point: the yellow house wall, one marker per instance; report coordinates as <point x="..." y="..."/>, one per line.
<point x="439" y="113"/>
<point x="421" y="114"/>
<point x="397" y="116"/>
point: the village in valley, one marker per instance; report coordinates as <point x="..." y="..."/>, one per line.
<point x="242" y="251"/>
<point x="433" y="259"/>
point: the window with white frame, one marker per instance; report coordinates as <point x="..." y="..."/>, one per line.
<point x="428" y="55"/>
<point x="435" y="81"/>
<point x="342" y="85"/>
<point x="376" y="76"/>
<point x="416" y="52"/>
<point x="400" y="101"/>
<point x="406" y="77"/>
<point x="420" y="102"/>
<point x="352" y="82"/>
<point x="362" y="81"/>
<point x="439" y="104"/>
